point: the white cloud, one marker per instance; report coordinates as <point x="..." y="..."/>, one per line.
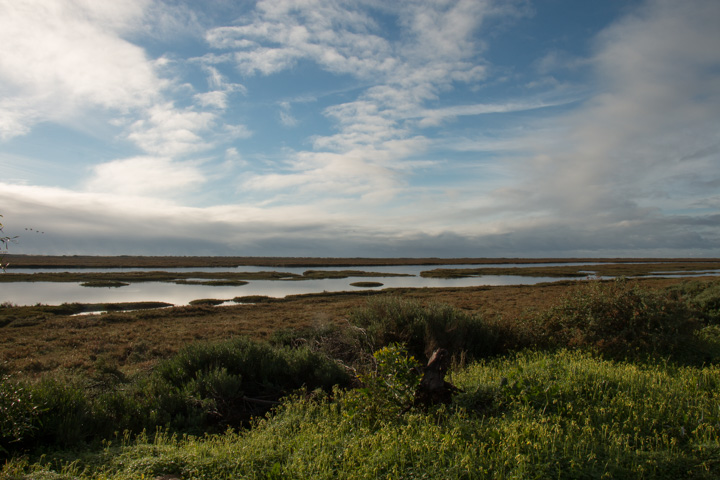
<point x="64" y="60"/>
<point x="221" y="89"/>
<point x="238" y="131"/>
<point x="434" y="117"/>
<point x="215" y="98"/>
<point x="144" y="176"/>
<point x="61" y="57"/>
<point x="171" y="132"/>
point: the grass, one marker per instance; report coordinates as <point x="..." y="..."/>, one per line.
<point x="366" y="284"/>
<point x="226" y="278"/>
<point x="14" y="316"/>
<point x="589" y="380"/>
<point x="104" y="284"/>
<point x="207" y="301"/>
<point x="322" y="274"/>
<point x="188" y="278"/>
<point x="609" y="269"/>
<point x="559" y="415"/>
<point x="213" y="283"/>
<point x="129" y="261"/>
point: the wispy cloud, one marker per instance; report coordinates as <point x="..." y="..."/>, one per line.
<point x="435" y="47"/>
<point x="286" y="117"/>
<point x="434" y="117"/>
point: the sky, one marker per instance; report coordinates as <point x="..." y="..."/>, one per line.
<point x="361" y="128"/>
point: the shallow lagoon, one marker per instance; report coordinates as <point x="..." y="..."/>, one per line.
<point x="54" y="293"/>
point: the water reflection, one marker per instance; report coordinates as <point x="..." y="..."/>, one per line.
<point x="55" y="293"/>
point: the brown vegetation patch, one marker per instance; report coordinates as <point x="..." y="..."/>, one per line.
<point x="127" y="261"/>
<point x="135" y="340"/>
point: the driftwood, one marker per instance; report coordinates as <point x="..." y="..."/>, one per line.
<point x="433" y="388"/>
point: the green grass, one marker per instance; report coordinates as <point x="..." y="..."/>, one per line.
<point x="557" y="415"/>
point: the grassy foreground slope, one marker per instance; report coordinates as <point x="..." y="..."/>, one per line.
<point x="561" y="415"/>
<point x="613" y="381"/>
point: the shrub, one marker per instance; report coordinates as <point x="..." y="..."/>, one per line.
<point x="201" y="389"/>
<point x="387" y="390"/>
<point x="709" y="343"/>
<point x="707" y="303"/>
<point x="347" y="343"/>
<point x="232" y="381"/>
<point x="390" y="320"/>
<point x="18" y="414"/>
<point x="619" y="318"/>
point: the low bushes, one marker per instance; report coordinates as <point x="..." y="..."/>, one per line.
<point x="203" y="388"/>
<point x="387" y="320"/>
<point x="620" y="319"/>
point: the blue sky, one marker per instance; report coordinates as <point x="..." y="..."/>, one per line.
<point x="361" y="128"/>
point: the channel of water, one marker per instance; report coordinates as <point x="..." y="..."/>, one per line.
<point x="55" y="293"/>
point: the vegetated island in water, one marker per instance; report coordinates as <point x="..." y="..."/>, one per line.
<point x="131" y="261"/>
<point x="534" y="267"/>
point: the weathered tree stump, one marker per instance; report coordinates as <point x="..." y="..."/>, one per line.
<point x="433" y="388"/>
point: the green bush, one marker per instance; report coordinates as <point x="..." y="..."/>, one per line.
<point x="18" y="414"/>
<point x="386" y="391"/>
<point x="230" y="382"/>
<point x="620" y="318"/>
<point x="347" y="343"/>
<point x="66" y="412"/>
<point x="388" y="320"/>
<point x="263" y="369"/>
<point x="203" y="388"/>
<point x="707" y="303"/>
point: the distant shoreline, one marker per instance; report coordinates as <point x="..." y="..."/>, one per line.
<point x="138" y="261"/>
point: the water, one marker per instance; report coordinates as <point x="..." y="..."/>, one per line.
<point x="54" y="293"/>
<point x="405" y="269"/>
